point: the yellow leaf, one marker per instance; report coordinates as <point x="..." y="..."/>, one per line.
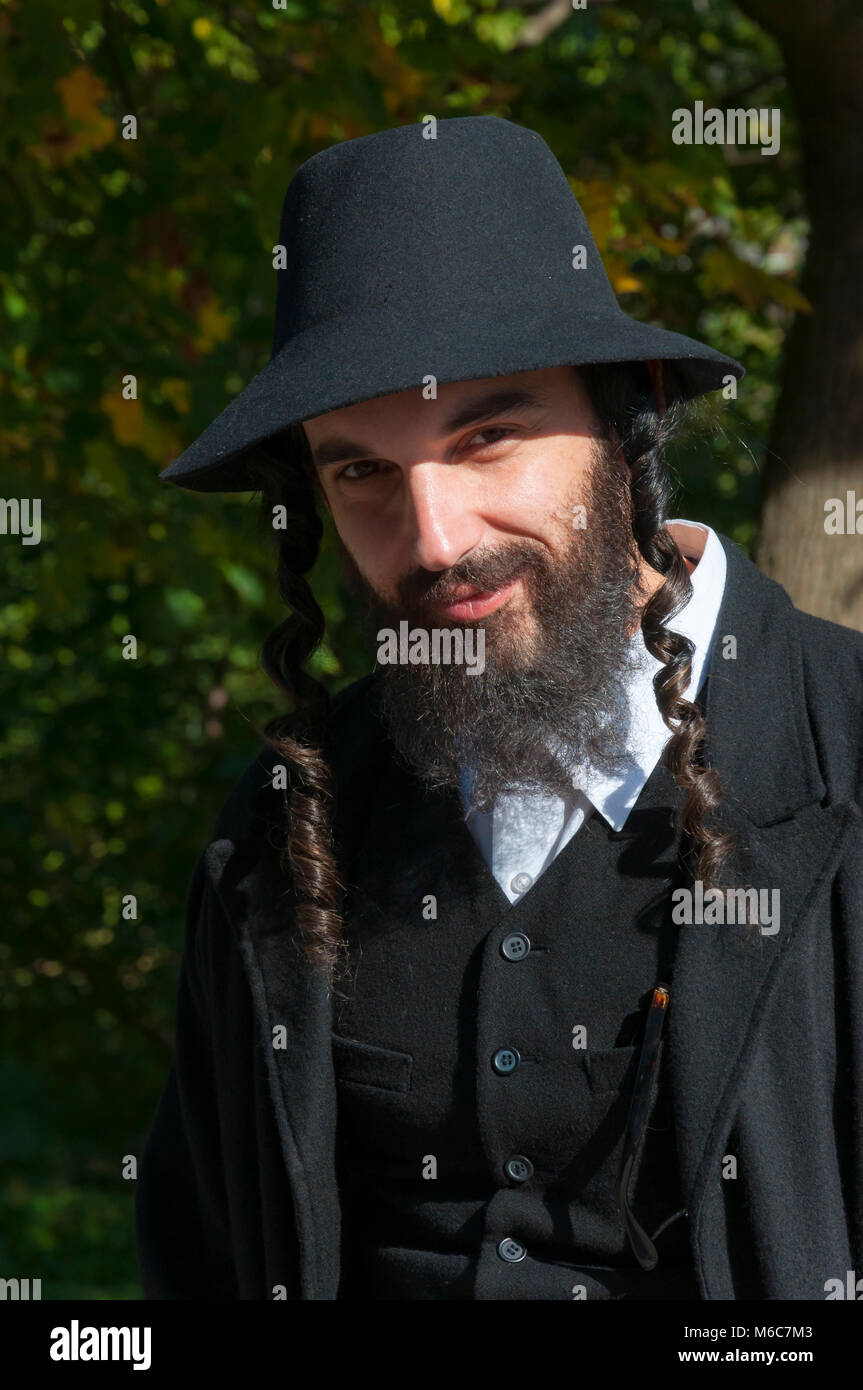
<point x="127" y="417"/>
<point x="80" y="94"/>
<point x="159" y="442"/>
<point x="725" y="273"/>
<point x="625" y="283"/>
<point x="214" y="325"/>
<point x="596" y="197"/>
<point x="176" y="389"/>
<point x="622" y="279"/>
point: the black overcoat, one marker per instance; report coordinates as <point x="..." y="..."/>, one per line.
<point x="237" y="1194"/>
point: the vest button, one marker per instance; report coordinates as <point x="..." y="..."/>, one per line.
<point x="518" y="1168"/>
<point x="505" y="1060"/>
<point x="520" y="883"/>
<point x="515" y="946"/>
<point x="511" y="1250"/>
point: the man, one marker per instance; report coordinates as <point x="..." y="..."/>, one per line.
<point x="599" y="782"/>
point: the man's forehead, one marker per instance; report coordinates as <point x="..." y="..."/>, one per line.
<point x="456" y="403"/>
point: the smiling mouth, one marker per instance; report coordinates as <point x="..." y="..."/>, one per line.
<point x="469" y="601"/>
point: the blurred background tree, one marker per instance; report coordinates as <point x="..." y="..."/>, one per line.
<point x="815" y="446"/>
<point x="152" y="256"/>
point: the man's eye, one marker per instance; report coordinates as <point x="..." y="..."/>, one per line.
<point x="492" y="429"/>
<point x="360" y="463"/>
<point x="371" y="466"/>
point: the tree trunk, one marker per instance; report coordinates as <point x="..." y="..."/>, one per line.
<point x="816" y="437"/>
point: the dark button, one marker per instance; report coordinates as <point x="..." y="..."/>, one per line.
<point x="518" y="1168"/>
<point x="505" y="1060"/>
<point x="515" y="946"/>
<point x="511" y="1250"/>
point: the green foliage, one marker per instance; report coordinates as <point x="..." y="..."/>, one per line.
<point x="152" y="257"/>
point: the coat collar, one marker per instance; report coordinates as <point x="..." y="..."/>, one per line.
<point x="759" y="740"/>
<point x="758" y="730"/>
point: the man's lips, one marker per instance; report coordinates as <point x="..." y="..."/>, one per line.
<point x="471" y="602"/>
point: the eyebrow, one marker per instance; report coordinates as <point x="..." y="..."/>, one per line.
<point x="472" y="412"/>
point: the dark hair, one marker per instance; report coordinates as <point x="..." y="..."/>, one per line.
<point x="623" y="401"/>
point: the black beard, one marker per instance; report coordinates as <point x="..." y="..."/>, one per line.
<point x="564" y="683"/>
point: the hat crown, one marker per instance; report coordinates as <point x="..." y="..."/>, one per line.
<point x="412" y="261"/>
<point x="396" y="221"/>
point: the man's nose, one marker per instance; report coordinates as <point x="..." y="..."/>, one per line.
<point x="442" y="516"/>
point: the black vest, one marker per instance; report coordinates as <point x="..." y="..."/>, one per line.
<point x="478" y="1141"/>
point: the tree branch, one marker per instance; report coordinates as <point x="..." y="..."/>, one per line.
<point x="115" y="62"/>
<point x="551" y="17"/>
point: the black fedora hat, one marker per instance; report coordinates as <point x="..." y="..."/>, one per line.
<point x="445" y="249"/>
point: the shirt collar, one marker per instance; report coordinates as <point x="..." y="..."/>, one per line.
<point x="614" y="795"/>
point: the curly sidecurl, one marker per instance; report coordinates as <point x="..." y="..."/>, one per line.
<point x="623" y="400"/>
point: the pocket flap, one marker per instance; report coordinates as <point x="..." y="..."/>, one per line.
<point x="365" y="1064"/>
<point x="615" y="1068"/>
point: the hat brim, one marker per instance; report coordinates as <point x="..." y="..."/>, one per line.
<point x="361" y="356"/>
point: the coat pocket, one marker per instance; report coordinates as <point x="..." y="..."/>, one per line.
<point x="614" y="1068"/>
<point x="364" y="1064"/>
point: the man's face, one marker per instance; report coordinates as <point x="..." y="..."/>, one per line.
<point x="492" y="507"/>
<point x="418" y="484"/>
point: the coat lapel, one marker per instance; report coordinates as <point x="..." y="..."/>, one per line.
<point x="295" y="1002"/>
<point x="760" y="742"/>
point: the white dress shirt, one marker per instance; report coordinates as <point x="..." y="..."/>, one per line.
<point x="526" y="831"/>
